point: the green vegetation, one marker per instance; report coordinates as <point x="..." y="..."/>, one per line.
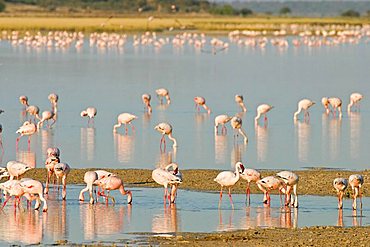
<point x="351" y="13"/>
<point x="2" y="6"/>
<point x="285" y="11"/>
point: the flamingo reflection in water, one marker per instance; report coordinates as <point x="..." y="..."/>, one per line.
<point x="166" y="222"/>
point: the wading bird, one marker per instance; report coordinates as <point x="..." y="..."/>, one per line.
<point x="165" y="129"/>
<point x="163" y="93"/>
<point x="269" y="183"/>
<point x="16" y="169"/>
<point x="146" y="100"/>
<point x="303" y="104"/>
<point x="124" y="118"/>
<point x="262" y="110"/>
<point x="27" y="129"/>
<point x="356" y="181"/>
<point x="90" y="112"/>
<point x="240" y="101"/>
<point x="291" y="182"/>
<point x="250" y="175"/>
<point x="340" y="184"/>
<point x="90" y="178"/>
<point x="113" y="183"/>
<point x="228" y="179"/>
<point x="200" y="101"/>
<point x="221" y="120"/>
<point x="236" y="124"/>
<point x="354" y="100"/>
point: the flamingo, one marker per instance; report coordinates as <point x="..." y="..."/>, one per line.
<point x="90" y="112"/>
<point x="53" y="98"/>
<point x="103" y="174"/>
<point x="221" y="120"/>
<point x="33" y="110"/>
<point x="13" y="188"/>
<point x="228" y="179"/>
<point x="27" y="129"/>
<point x="50" y="163"/>
<point x="291" y="181"/>
<point x="239" y="100"/>
<point x="113" y="183"/>
<point x="200" y="101"/>
<point x="34" y="187"/>
<point x="340" y="184"/>
<point x="53" y="152"/>
<point x="46" y="116"/>
<point x="124" y="118"/>
<point x="336" y="103"/>
<point x="23" y="100"/>
<point x="267" y="184"/>
<point x="303" y="104"/>
<point x="162" y="92"/>
<point x="262" y="109"/>
<point x="90" y="178"/>
<point x="16" y="169"/>
<point x="62" y="170"/>
<point x="354" y="99"/>
<point x="146" y="100"/>
<point x="236" y="124"/>
<point x="165" y="177"/>
<point x="325" y="103"/>
<point x="250" y="175"/>
<point x="165" y="129"/>
<point x="356" y="181"/>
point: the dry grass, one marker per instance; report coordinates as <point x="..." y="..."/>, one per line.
<point x="134" y="24"/>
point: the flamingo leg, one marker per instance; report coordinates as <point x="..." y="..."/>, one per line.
<point x="132" y="128"/>
<point x="5" y="202"/>
<point x="126" y="130"/>
<point x="231" y="200"/>
<point x="17" y="141"/>
<point x="29" y="143"/>
<point x="219" y="202"/>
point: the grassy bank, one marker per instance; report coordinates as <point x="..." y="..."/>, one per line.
<point x="137" y="24"/>
<point x="311" y="182"/>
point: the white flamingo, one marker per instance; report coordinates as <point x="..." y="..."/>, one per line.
<point x="124" y="118"/>
<point x="291" y="182"/>
<point x="340" y="184"/>
<point x="161" y="93"/>
<point x="228" y="179"/>
<point x="354" y="100"/>
<point x="221" y="120"/>
<point x="165" y="129"/>
<point x="240" y="101"/>
<point x="262" y="110"/>
<point x="90" y="178"/>
<point x="356" y="181"/>
<point x="16" y="169"/>
<point x="303" y="104"/>
<point x="236" y="123"/>
<point x="90" y="112"/>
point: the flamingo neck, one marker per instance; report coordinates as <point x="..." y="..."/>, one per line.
<point x="172" y="139"/>
<point x="207" y="108"/>
<point x="241" y="131"/>
<point x="243" y="106"/>
<point x="122" y="190"/>
<point x="257" y="117"/>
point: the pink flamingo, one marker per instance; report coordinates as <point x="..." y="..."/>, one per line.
<point x="325" y="103"/>
<point x="124" y="118"/>
<point x="33" y="187"/>
<point x="27" y="129"/>
<point x="146" y="100"/>
<point x="340" y="184"/>
<point x="356" y="181"/>
<point x="250" y="175"/>
<point x="62" y="170"/>
<point x="46" y="116"/>
<point x="13" y="188"/>
<point x="53" y="152"/>
<point x="90" y="112"/>
<point x="262" y="109"/>
<point x="291" y="182"/>
<point x="23" y="100"/>
<point x="165" y="129"/>
<point x="113" y="183"/>
<point x="236" y="124"/>
<point x="228" y="179"/>
<point x="50" y="167"/>
<point x="103" y="174"/>
<point x="33" y="111"/>
<point x="166" y="177"/>
<point x="336" y="103"/>
<point x="16" y="169"/>
<point x="303" y="104"/>
<point x="200" y="101"/>
<point x="221" y="120"/>
<point x="90" y="178"/>
<point x="162" y="92"/>
<point x="270" y="183"/>
<point x="354" y="100"/>
<point x="240" y="101"/>
<point x="53" y="98"/>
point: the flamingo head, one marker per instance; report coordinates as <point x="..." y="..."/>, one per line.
<point x="241" y="167"/>
<point x="83" y="114"/>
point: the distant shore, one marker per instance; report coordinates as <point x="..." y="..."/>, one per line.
<point x="167" y="24"/>
<point x="311" y="182"/>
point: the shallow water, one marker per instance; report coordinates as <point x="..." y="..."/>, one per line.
<point x="194" y="212"/>
<point x="113" y="80"/>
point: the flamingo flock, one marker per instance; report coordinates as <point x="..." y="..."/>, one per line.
<point x="285" y="182"/>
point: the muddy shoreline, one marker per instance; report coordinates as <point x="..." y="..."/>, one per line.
<point x="311" y="182"/>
